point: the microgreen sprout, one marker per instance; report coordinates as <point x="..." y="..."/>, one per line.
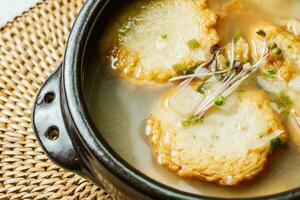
<point x="230" y="78"/>
<point x="272" y="45"/>
<point x="277" y="51"/>
<point x="261" y="33"/>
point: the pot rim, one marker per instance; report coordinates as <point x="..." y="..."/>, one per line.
<point x="92" y="138"/>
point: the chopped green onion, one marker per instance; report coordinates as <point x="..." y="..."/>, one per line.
<point x="283" y="102"/>
<point x="220" y="77"/>
<point x="191" y="121"/>
<point x="274" y="144"/>
<point x="227" y="63"/>
<point x="250" y="60"/>
<point x="185" y="123"/>
<point x="177" y="67"/>
<point x="277" y="143"/>
<point x="271" y="73"/>
<point x="182" y="70"/>
<point x="237" y="34"/>
<point x="261" y="135"/>
<point x="202" y="88"/>
<point x="272" y="45"/>
<point x="236" y="62"/>
<point x="186" y="72"/>
<point x="219" y="100"/>
<point x="277" y="51"/>
<point x="289" y="46"/>
<point x="164" y="36"/>
<point x="258" y="71"/>
<point x="193" y="44"/>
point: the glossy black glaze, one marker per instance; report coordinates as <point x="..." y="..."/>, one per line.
<point x="80" y="147"/>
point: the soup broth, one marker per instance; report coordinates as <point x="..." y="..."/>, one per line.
<point x="119" y="107"/>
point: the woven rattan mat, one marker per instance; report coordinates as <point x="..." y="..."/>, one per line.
<point x="30" y="49"/>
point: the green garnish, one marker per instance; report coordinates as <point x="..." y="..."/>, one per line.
<point x="219" y="100"/>
<point x="164" y="36"/>
<point x="237" y="33"/>
<point x="289" y="46"/>
<point x="250" y="60"/>
<point x="261" y="135"/>
<point x="274" y="144"/>
<point x="191" y="121"/>
<point x="277" y="143"/>
<point x="193" y="44"/>
<point x="202" y="88"/>
<point x="227" y="63"/>
<point x="235" y="62"/>
<point x="258" y="71"/>
<point x="222" y="76"/>
<point x="182" y="70"/>
<point x="271" y="73"/>
<point x="272" y="45"/>
<point x="261" y="33"/>
<point x="177" y="67"/>
<point x="277" y="51"/>
<point x="186" y="72"/>
<point x="283" y="102"/>
<point x="185" y="123"/>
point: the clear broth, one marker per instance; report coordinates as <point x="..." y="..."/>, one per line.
<point x="119" y="108"/>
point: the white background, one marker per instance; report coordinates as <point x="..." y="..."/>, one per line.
<point x="9" y="9"/>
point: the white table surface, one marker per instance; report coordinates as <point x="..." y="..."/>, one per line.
<point x="9" y="9"/>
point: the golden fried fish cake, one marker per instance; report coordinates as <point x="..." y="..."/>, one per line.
<point x="280" y="73"/>
<point x="231" y="144"/>
<point x="286" y="60"/>
<point x="165" y="34"/>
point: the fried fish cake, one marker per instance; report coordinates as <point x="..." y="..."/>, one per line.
<point x="165" y="37"/>
<point x="230" y="145"/>
<point x="285" y="60"/>
<point x="280" y="73"/>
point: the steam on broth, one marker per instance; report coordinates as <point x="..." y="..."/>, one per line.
<point x="120" y="107"/>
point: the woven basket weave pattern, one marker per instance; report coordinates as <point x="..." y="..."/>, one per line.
<point x="31" y="48"/>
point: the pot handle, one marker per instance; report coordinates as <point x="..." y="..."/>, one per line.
<point x="50" y="128"/>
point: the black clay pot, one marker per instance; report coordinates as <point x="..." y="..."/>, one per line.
<point x="66" y="133"/>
